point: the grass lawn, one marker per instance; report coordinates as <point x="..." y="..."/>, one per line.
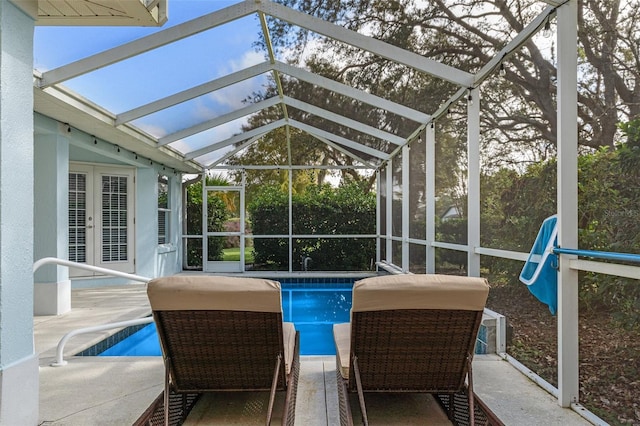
<point x="233" y="254"/>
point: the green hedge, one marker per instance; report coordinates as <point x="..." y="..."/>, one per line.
<point x="319" y="210"/>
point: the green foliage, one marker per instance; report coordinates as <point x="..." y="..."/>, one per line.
<point x="318" y="210"/>
<point x="452" y="230"/>
<point x="233" y="254"/>
<point x="609" y="191"/>
<point x="513" y="208"/>
<point x="515" y="205"/>
<point x="269" y="212"/>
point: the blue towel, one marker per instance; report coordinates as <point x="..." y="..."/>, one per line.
<point x="540" y="272"/>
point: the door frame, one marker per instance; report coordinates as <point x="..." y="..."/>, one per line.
<point x="222" y="266"/>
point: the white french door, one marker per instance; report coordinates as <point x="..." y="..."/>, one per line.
<point x="101" y="218"/>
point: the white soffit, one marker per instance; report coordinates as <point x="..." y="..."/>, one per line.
<point x="148" y="13"/>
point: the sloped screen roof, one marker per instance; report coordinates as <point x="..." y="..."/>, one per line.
<point x="207" y="87"/>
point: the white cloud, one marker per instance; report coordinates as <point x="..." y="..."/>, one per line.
<point x="247" y="60"/>
<point x="232" y="96"/>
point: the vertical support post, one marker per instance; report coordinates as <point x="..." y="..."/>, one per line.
<point x="567" y="201"/>
<point x="430" y="196"/>
<point x="473" y="182"/>
<point x="406" y="165"/>
<point x="205" y="221"/>
<point x="389" y="189"/>
<point x="378" y="197"/>
<point x="289" y="171"/>
<point x="243" y="185"/>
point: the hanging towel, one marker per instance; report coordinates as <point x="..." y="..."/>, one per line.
<point x="540" y="272"/>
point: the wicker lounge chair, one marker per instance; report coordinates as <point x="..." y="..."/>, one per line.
<point x="412" y="333"/>
<point x="225" y="334"/>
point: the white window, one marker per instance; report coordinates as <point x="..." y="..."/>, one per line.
<point x="164" y="210"/>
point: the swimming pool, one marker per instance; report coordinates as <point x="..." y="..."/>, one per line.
<point x="313" y="305"/>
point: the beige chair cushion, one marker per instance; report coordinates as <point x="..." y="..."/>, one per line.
<point x="289" y="333"/>
<point x="177" y="293"/>
<point x="342" y="339"/>
<point x="429" y="291"/>
<point x="408" y="292"/>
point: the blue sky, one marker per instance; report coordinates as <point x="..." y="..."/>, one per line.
<point x="161" y="72"/>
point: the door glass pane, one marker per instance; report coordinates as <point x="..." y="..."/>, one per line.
<point x="114" y="218"/>
<point x="163" y="209"/>
<point x="77" y="217"/>
<point x="230" y="248"/>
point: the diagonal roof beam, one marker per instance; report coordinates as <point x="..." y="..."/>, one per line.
<point x="259" y="69"/>
<point x="233" y="152"/>
<point x="252" y="108"/>
<point x="521" y="38"/>
<point x="235" y="139"/>
<point x="344" y="121"/>
<point x="193" y="92"/>
<point x="276" y="78"/>
<point x="338" y="139"/>
<point x="351" y="92"/>
<point x="337" y="147"/>
<point x="209" y="124"/>
<point x="344" y="151"/>
<point x="369" y="44"/>
<point x="147" y="43"/>
<point x="486" y="70"/>
<point x="260" y="131"/>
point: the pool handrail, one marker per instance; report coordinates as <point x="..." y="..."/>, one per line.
<point x="59" y="362"/>
<point x="62" y="262"/>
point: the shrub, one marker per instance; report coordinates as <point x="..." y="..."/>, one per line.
<point x="319" y="210"/>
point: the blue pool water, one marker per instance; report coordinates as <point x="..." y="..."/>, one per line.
<point x="313" y="307"/>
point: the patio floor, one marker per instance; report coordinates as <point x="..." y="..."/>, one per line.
<point x="116" y="390"/>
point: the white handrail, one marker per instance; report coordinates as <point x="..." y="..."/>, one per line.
<point x="61" y="344"/>
<point x="59" y="362"/>
<point x="62" y="262"/>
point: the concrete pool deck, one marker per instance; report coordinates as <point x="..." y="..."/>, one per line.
<point x="116" y="390"/>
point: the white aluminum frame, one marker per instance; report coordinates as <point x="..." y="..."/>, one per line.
<point x="566" y="12"/>
<point x="567" y="202"/>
